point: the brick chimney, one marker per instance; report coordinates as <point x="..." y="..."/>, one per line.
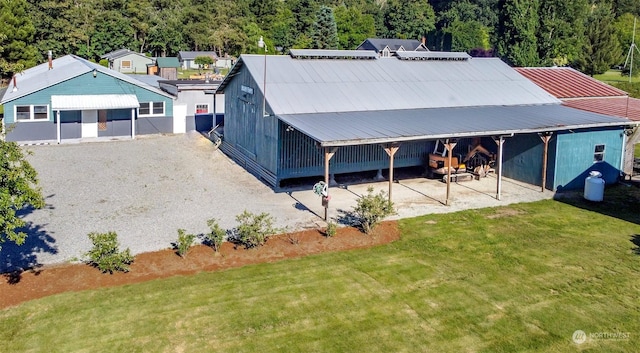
<point x="50" y="55"/>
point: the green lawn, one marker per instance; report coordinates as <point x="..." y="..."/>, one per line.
<point x="615" y="76"/>
<point x="521" y="278"/>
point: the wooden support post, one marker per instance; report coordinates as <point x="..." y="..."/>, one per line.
<point x="391" y="150"/>
<point x="545" y="139"/>
<point x="328" y="154"/>
<point x="449" y="145"/>
<point x="500" y="142"/>
<point x="58" y="126"/>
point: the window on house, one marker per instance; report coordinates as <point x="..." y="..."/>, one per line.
<point x="202" y="108"/>
<point x="125" y="64"/>
<point x="32" y="112"/>
<point x="598" y="153"/>
<point x="151" y="109"/>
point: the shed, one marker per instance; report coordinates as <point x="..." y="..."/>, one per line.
<point x="203" y="111"/>
<point x="288" y="116"/>
<point x="73" y="98"/>
<point x="167" y="68"/>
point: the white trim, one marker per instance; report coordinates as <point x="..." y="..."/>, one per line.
<point x="151" y="113"/>
<point x="58" y="126"/>
<point x="133" y="123"/>
<point x="202" y="104"/>
<point x="31" y="113"/>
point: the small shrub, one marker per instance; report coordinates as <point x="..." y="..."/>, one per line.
<point x="371" y="209"/>
<point x="332" y="229"/>
<point x="106" y="255"/>
<point x="253" y="230"/>
<point x="216" y="236"/>
<point x="184" y="242"/>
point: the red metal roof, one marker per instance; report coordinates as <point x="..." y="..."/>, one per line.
<point x="565" y="82"/>
<point x="617" y="106"/>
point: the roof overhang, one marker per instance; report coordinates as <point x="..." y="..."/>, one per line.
<point x="94" y="102"/>
<point x="369" y="127"/>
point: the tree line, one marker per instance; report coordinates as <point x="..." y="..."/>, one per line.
<point x="590" y="35"/>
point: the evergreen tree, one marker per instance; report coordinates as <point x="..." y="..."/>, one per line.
<point x="17" y="51"/>
<point x="601" y="49"/>
<point x="325" y="30"/>
<point x="560" y="38"/>
<point x="517" y="27"/>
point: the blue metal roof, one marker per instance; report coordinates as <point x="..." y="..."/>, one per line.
<point x="367" y="127"/>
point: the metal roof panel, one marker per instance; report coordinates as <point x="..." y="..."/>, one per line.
<point x="94" y="102"/>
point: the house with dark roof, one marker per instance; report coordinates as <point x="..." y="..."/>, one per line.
<point x="581" y="91"/>
<point x="187" y="58"/>
<point x="71" y="98"/>
<point x="127" y="61"/>
<point x="322" y="112"/>
<point x="387" y="47"/>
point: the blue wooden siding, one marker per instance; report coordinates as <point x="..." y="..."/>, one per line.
<point x="246" y="129"/>
<point x="87" y="84"/>
<point x="522" y="158"/>
<point x="575" y="157"/>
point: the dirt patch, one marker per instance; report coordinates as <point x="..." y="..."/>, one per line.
<point x="44" y="281"/>
<point x="505" y="212"/>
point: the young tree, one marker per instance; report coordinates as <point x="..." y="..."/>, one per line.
<point x="516" y="32"/>
<point x="201" y="61"/>
<point x="601" y="49"/>
<point x="325" y="30"/>
<point x="18" y="190"/>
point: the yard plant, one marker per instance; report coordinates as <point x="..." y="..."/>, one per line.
<point x="216" y="234"/>
<point x="372" y="208"/>
<point x="184" y="242"/>
<point x="519" y="278"/>
<point x="253" y="230"/>
<point x="106" y="255"/>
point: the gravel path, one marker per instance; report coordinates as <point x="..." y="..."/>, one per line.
<point x="145" y="189"/>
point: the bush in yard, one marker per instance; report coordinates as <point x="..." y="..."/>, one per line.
<point x="106" y="255"/>
<point x="254" y="229"/>
<point x="184" y="242"/>
<point x="371" y="209"/>
<point x="216" y="236"/>
<point x="331" y="230"/>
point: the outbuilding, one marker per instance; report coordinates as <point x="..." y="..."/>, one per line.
<point x="319" y="112"/>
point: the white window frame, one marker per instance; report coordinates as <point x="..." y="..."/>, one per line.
<point x="31" y="113"/>
<point x="122" y="66"/>
<point x="598" y="156"/>
<point x="150" y="106"/>
<point x="202" y="105"/>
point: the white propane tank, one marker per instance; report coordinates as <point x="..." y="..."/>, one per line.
<point x="594" y="187"/>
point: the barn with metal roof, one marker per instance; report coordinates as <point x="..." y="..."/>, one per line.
<point x="580" y="91"/>
<point x="73" y="98"/>
<point x="317" y="112"/>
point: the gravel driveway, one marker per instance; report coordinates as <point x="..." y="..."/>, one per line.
<point x="145" y="189"/>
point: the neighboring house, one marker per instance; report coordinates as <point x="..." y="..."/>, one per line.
<point x="127" y="61"/>
<point x="187" y="58"/>
<point x="355" y="110"/>
<point x="167" y="68"/>
<point x="203" y="111"/>
<point x="389" y="47"/>
<point x="73" y="98"/>
<point x="580" y="91"/>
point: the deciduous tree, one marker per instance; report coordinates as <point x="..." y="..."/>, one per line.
<point x="18" y="190"/>
<point x="517" y="28"/>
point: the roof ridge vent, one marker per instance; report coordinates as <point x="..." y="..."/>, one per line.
<point x="433" y="55"/>
<point x="333" y="54"/>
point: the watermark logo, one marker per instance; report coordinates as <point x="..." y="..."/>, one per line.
<point x="579" y="337"/>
